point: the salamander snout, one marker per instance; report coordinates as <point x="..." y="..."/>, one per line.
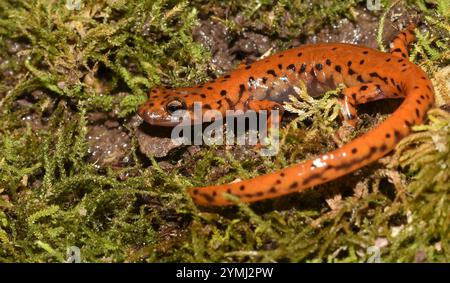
<point x="164" y="110"/>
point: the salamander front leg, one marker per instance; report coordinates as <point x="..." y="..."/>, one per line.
<point x="350" y="97"/>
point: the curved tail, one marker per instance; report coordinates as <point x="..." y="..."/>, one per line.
<point x="369" y="147"/>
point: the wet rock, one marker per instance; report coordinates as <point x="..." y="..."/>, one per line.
<point x="108" y="146"/>
<point x="155" y="141"/>
<point x="215" y="37"/>
<point x="362" y="31"/>
<point x="252" y="44"/>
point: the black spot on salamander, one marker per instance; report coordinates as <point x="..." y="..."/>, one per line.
<point x="214" y="193"/>
<point x="375" y="74"/>
<point x="349" y="63"/>
<point x="354" y="96"/>
<point x="228" y="191"/>
<point x="280" y="66"/>
<point x="334" y="48"/>
<point x="210" y="88"/>
<point x="281" y="56"/>
<point x="278" y="182"/>
<point x="428" y="87"/>
<point x="195" y="192"/>
<point x="229" y="102"/>
<point x="319" y="66"/>
<point x="398" y="88"/>
<point x="272" y="72"/>
<point x="154" y="91"/>
<point x="242" y="187"/>
<point x="361" y="62"/>
<point x="241" y="91"/>
<point x="299" y="54"/>
<point x="293" y="185"/>
<point x="400" y="60"/>
<point x="422" y="97"/>
<point x="354" y="150"/>
<point x="207" y="106"/>
<point x="383" y="147"/>
<point x="291" y="67"/>
<point x="328" y="62"/>
<point x="223" y="92"/>
<point x="282" y="174"/>
<point x="417" y="113"/>
<point x="398" y="136"/>
<point x="264" y="80"/>
<point x="393" y="81"/>
<point x="365" y="52"/>
<point x="303" y="68"/>
<point x="396" y="50"/>
<point x="418" y="102"/>
<point x="311" y="177"/>
<point x="388" y="60"/>
<point x="338" y="68"/>
<point x="207" y="197"/>
<point x="248" y="67"/>
<point x="360" y="79"/>
<point x="259" y="194"/>
<point x="364" y="87"/>
<point x="350" y="71"/>
<point x="273" y="190"/>
<point x="404" y="55"/>
<point x="227" y="77"/>
<point x="203" y="95"/>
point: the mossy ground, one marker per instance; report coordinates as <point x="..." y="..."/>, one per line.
<point x="58" y="65"/>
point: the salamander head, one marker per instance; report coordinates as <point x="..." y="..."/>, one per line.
<point x="166" y="107"/>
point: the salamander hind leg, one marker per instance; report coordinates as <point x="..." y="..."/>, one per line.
<point x="274" y="111"/>
<point x="350" y="97"/>
<point x="399" y="46"/>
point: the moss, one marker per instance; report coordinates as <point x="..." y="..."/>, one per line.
<point x="71" y="63"/>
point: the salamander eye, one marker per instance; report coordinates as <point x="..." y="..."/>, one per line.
<point x="175" y="105"/>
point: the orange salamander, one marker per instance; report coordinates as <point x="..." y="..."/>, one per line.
<point x="367" y="74"/>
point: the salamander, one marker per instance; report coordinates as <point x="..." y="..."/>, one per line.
<point x="367" y="74"/>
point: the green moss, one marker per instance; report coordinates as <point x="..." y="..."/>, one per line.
<point x="71" y="63"/>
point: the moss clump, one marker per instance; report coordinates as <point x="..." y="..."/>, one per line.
<point x="57" y="66"/>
